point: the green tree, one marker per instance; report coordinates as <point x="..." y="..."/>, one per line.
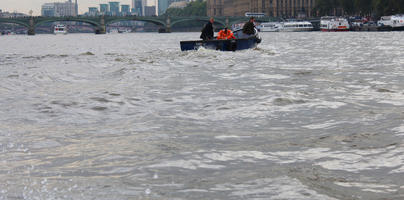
<point x="195" y="8"/>
<point x="347" y="5"/>
<point x="360" y="7"/>
<point x="363" y="7"/>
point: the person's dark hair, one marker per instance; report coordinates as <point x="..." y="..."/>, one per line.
<point x="251" y="18"/>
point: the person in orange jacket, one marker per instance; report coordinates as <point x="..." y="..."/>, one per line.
<point x="225" y="34"/>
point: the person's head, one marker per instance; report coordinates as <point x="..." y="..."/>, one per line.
<point x="252" y="19"/>
<point x="211" y="20"/>
<point x="225" y="28"/>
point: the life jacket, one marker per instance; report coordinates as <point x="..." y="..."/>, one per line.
<point x="225" y="35"/>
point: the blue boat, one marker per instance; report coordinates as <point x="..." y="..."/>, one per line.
<point x="241" y="42"/>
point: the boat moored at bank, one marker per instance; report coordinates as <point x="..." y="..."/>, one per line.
<point x="289" y="26"/>
<point x="391" y="23"/>
<point x="297" y="26"/>
<point x="269" y="27"/>
<point x="334" y="24"/>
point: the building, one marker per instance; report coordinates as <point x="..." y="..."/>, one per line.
<point x="149" y="10"/>
<point x="48" y="10"/>
<point x="137" y="7"/>
<point x="104" y="9"/>
<point x="162" y="6"/>
<point x="125" y="10"/>
<point x="59" y="9"/>
<point x="93" y="11"/>
<point x="77" y="8"/>
<point x="11" y="15"/>
<point x="274" y="8"/>
<point x="114" y="8"/>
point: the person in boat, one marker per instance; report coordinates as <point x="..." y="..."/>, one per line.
<point x="225" y="34"/>
<point x="207" y="31"/>
<point x="249" y="27"/>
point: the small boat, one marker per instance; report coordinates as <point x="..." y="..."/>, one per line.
<point x="289" y="26"/>
<point x="296" y="26"/>
<point x="241" y="42"/>
<point x="270" y="27"/>
<point x="113" y="31"/>
<point x="60" y="29"/>
<point x="334" y="24"/>
<point x="391" y="23"/>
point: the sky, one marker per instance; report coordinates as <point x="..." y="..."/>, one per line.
<point x="24" y="6"/>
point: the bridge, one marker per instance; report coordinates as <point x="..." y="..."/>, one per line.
<point x="100" y="23"/>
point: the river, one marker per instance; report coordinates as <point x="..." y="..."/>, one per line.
<point x="305" y="116"/>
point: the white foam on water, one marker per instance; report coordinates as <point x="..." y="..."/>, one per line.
<point x="351" y="161"/>
<point x="370" y="187"/>
<point x="45" y="144"/>
<point x="225" y="137"/>
<point x="398" y="170"/>
<point x="272" y="76"/>
<point x="327" y="104"/>
<point x="356" y="86"/>
<point x="245" y="156"/>
<point x="393" y="102"/>
<point x="324" y="125"/>
<point x="230" y="76"/>
<point x="276" y="188"/>
<point x="378" y="83"/>
<point x="392" y="98"/>
<point x="117" y="170"/>
<point x="193" y="190"/>
<point x="399" y="129"/>
<point x="187" y="164"/>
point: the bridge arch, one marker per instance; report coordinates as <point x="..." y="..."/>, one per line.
<point x="154" y="21"/>
<point x="93" y="23"/>
<point x="10" y="21"/>
<point x="97" y="27"/>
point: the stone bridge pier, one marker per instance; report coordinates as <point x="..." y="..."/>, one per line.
<point x="168" y="25"/>
<point x="31" y="27"/>
<point x="102" y="29"/>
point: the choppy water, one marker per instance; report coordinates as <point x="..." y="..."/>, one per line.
<point x="308" y="116"/>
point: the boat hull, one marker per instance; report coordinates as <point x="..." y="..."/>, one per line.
<point x="221" y="45"/>
<point x="60" y="33"/>
<point x="389" y="28"/>
<point x="334" y="30"/>
<point x="296" y="30"/>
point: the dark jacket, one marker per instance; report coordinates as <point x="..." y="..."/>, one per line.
<point x="207" y="32"/>
<point x="248" y="28"/>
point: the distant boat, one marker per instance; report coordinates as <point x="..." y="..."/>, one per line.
<point x="241" y="42"/>
<point x="297" y="26"/>
<point x="289" y="26"/>
<point x="270" y="27"/>
<point x="113" y="31"/>
<point x="391" y="23"/>
<point x="334" y="24"/>
<point x="60" y="29"/>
